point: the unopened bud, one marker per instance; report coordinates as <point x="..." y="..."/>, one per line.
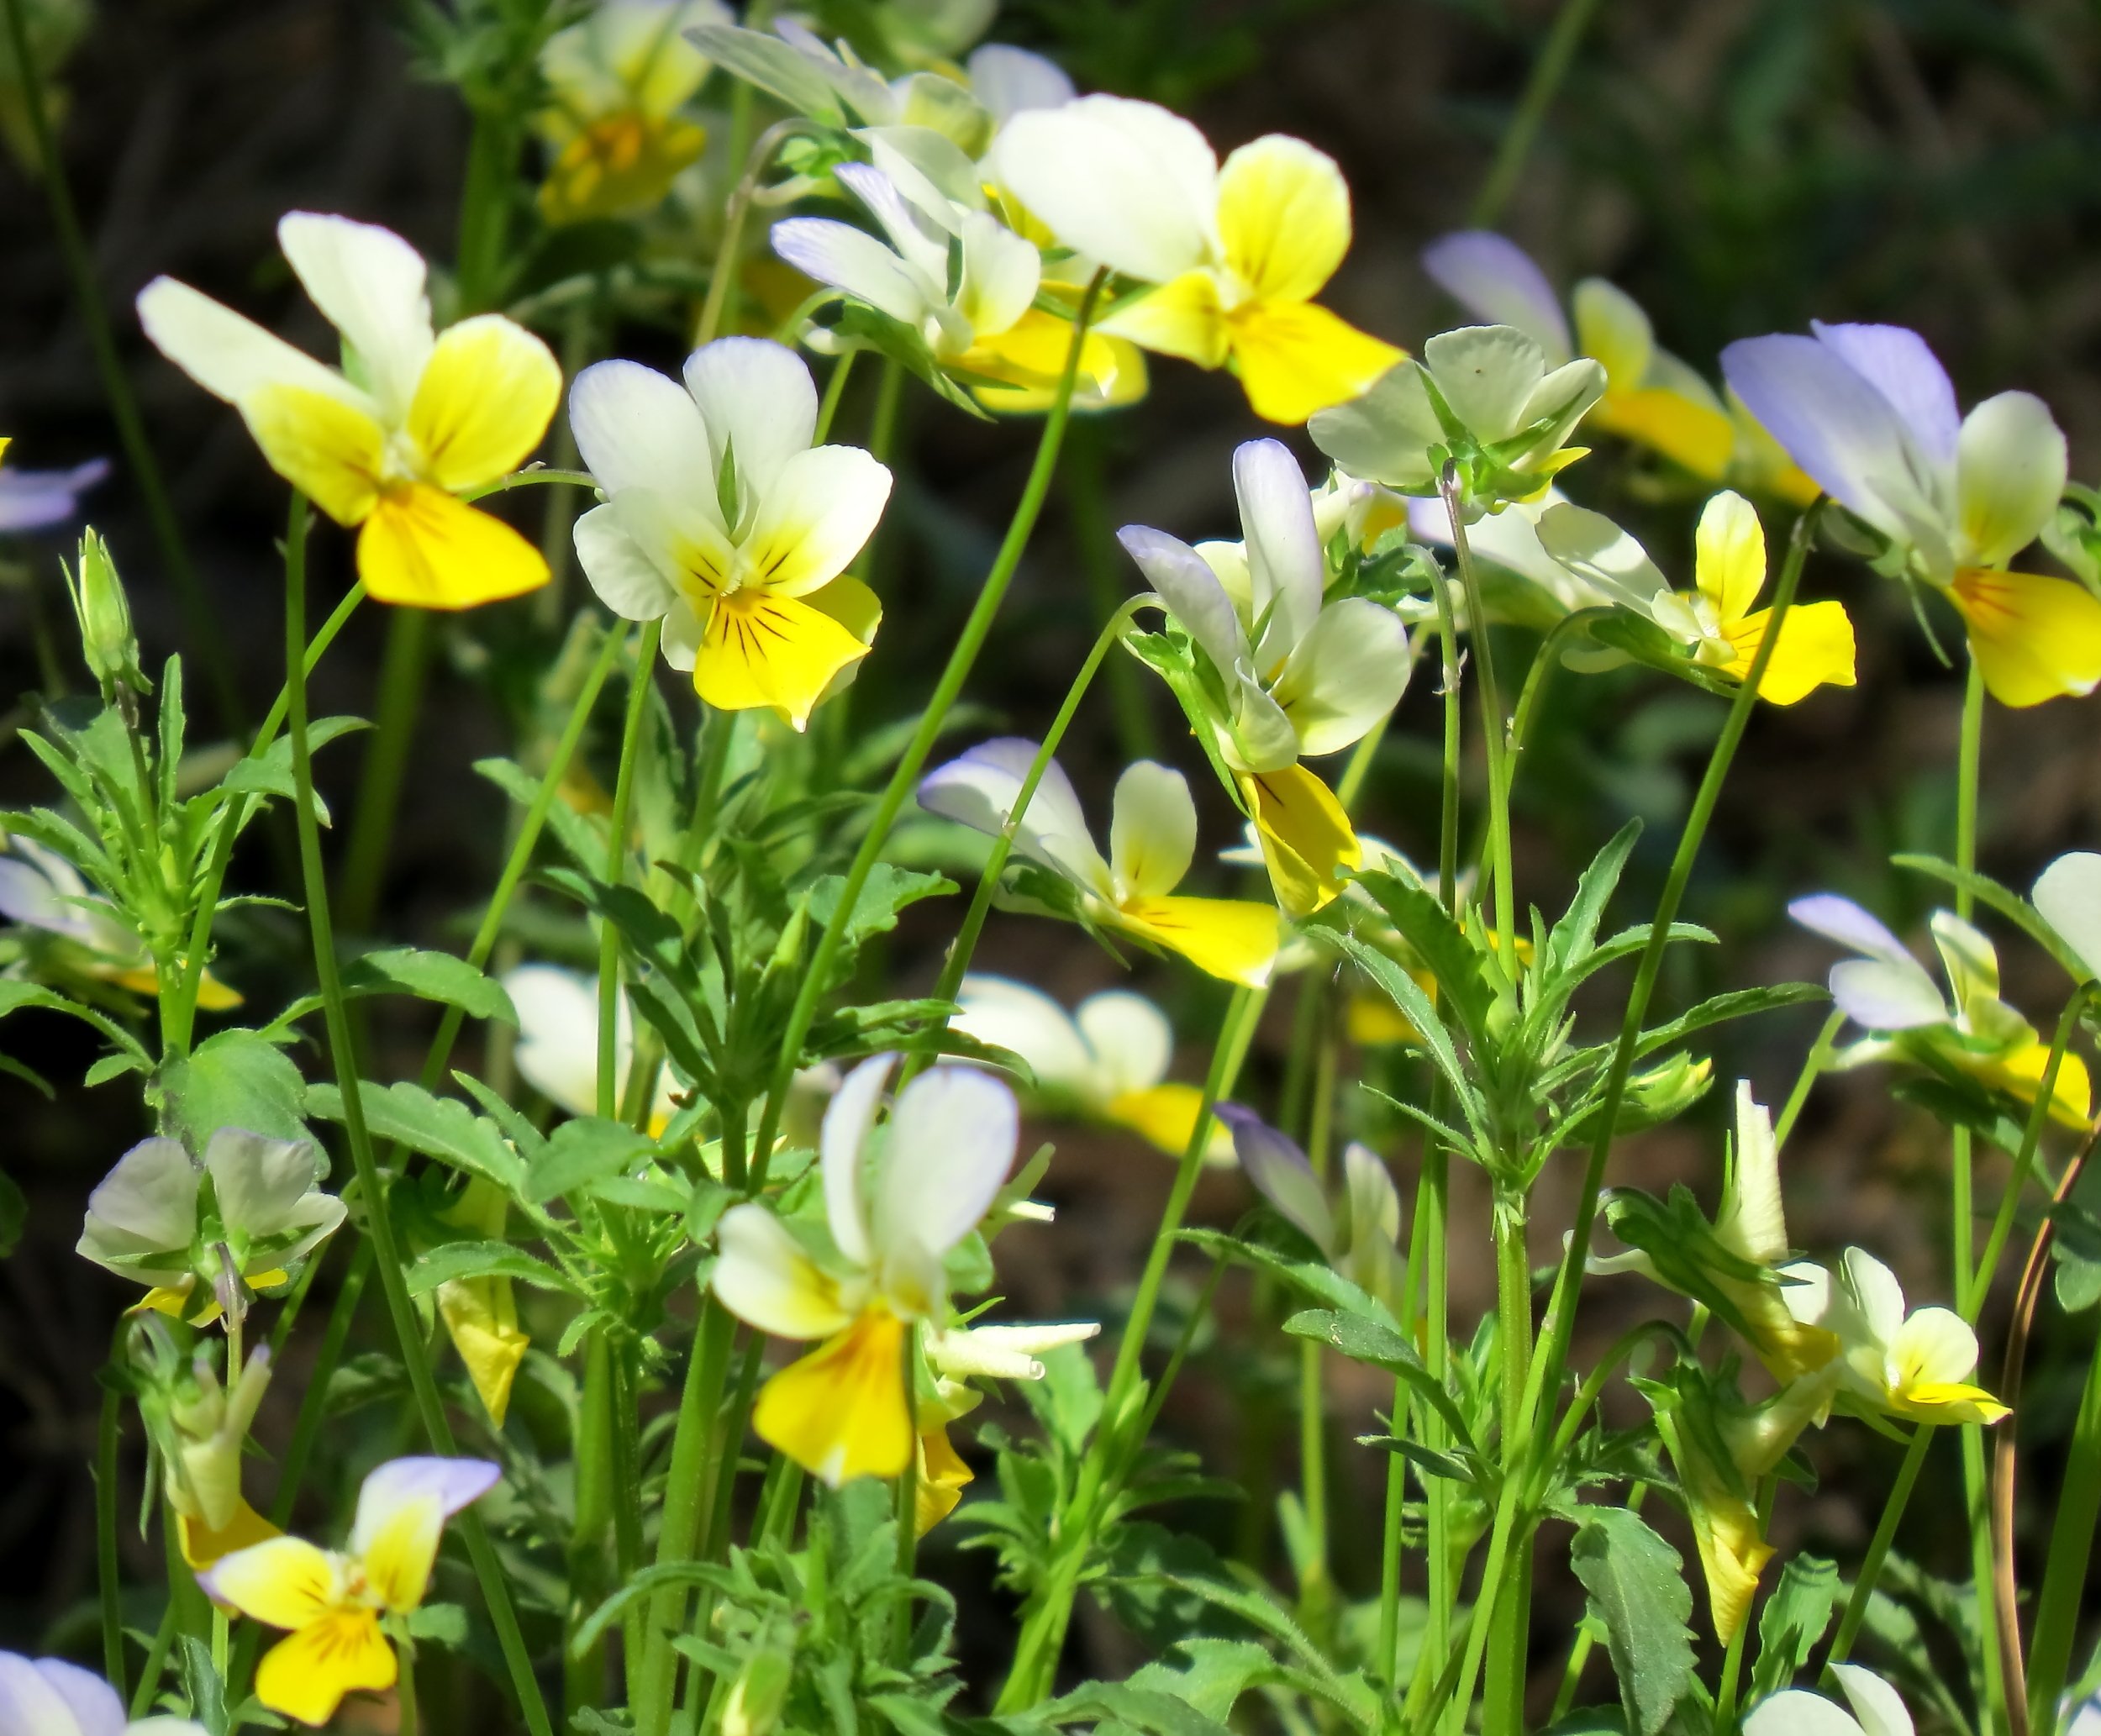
<point x="107" y="642"/>
<point x="757" y="1697"/>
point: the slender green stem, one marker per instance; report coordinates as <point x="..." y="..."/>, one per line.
<point x="616" y="868"/>
<point x="1315" y="1589"/>
<point x="407" y="1721"/>
<point x="199" y="627"/>
<point x="968" y="644"/>
<point x="533" y="476"/>
<point x="729" y="257"/>
<point x="485" y="195"/>
<point x="1086" y="506"/>
<point x="1548" y="73"/>
<point x="835" y="389"/>
<point x="107" y="1436"/>
<point x="1494" y="725"/>
<point x="589" y="1555"/>
<point x="1813" y="1065"/>
<point x="156" y="1659"/>
<point x="1970" y="1298"/>
<point x="1871" y="1568"/>
<point x="2058" y="1605"/>
<point x="403" y="672"/>
<point x="1510" y="1628"/>
<point x="376" y="1220"/>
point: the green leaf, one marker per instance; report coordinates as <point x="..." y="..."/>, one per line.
<point x="1406" y="994"/>
<point x="1637" y="1589"/>
<point x="1571" y="938"/>
<point x="269" y="773"/>
<point x="1365" y="1340"/>
<point x="431" y="977"/>
<point x="577" y="834"/>
<point x="442" y="1127"/>
<point x="450" y="1261"/>
<point x="441" y="1623"/>
<point x="235" y="1079"/>
<point x="1720" y="1009"/>
<point x="2006" y="901"/>
<point x="583" y="1151"/>
<point x="1453" y="958"/>
<point x="887" y="891"/>
<point x="1792" y="1623"/>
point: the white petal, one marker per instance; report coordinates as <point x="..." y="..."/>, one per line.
<point x="1882" y="995"/>
<point x="2010" y="472"/>
<point x="681" y="635"/>
<point x="451" y="1483"/>
<point x="1013" y="1015"/>
<point x="1805" y="1291"/>
<point x="31" y="1702"/>
<point x="1796" y="1711"/>
<point x="28" y="898"/>
<point x="1374" y="1203"/>
<point x="2068" y="898"/>
<point x="1193" y="594"/>
<point x="1487" y="374"/>
<point x="369" y="284"/>
<point x="1590" y="546"/>
<point x="1130" y="1037"/>
<point x="1287" y="571"/>
<point x="227" y="353"/>
<point x="1876" y="1293"/>
<point x="1124" y="182"/>
<point x="637" y="429"/>
<point x="1936" y="1344"/>
<point x="855" y="262"/>
<point x="816" y="514"/>
<point x="757" y="397"/>
<point x="919" y="229"/>
<point x="1386" y="435"/>
<point x="948" y="1151"/>
<point x="1752" y="1223"/>
<point x="1001" y="273"/>
<point x="1008" y="80"/>
<point x="931" y="171"/>
<point x="1496" y="281"/>
<point x="979" y="788"/>
<point x="1969" y="957"/>
<point x="1345" y="675"/>
<point x="96" y="1708"/>
<point x="763" y="1277"/>
<point x="557" y="1052"/>
<point x="259" y="1182"/>
<point x="147" y="1203"/>
<point x="626" y="580"/>
<point x="1152" y="834"/>
<point x="1874" y="1702"/>
<point x="843" y="1146"/>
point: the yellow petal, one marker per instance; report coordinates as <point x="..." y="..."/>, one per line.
<point x="1370" y="1020"/>
<point x="420" y="546"/>
<point x="1295" y="359"/>
<point x="1283" y="218"/>
<point x="1306" y="838"/>
<point x="328" y="450"/>
<point x="1167" y="1115"/>
<point x="1732" y="1554"/>
<point x="840" y="1412"/>
<point x="485" y="399"/>
<point x="214" y="996"/>
<point x="1181" y="318"/>
<point x="1950" y="1402"/>
<point x="481" y="1316"/>
<point x="1028" y="358"/>
<point x="758" y="649"/>
<point x="1695" y="435"/>
<point x="2034" y="638"/>
<point x="2021" y="1075"/>
<point x="1815" y="648"/>
<point x="306" y="1676"/>
<point x="398" y="1558"/>
<point x="285" y="1582"/>
<point x="1228" y="938"/>
<point x="619" y="164"/>
<point x="1728" y="556"/>
<point x="942" y="1476"/>
<point x="202" y="1545"/>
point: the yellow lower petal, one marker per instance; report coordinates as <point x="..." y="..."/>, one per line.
<point x="1696" y="435"/>
<point x="423" y="547"/>
<point x="1815" y="649"/>
<point x="329" y="451"/>
<point x="2034" y="638"/>
<point x="841" y="1412"/>
<point x="1306" y="838"/>
<point x="619" y="164"/>
<point x="1028" y="358"/>
<point x="1945" y="1403"/>
<point x="306" y="1675"/>
<point x="1231" y="938"/>
<point x="481" y="1314"/>
<point x="759" y="649"/>
<point x="202" y="1545"/>
<point x="1181" y="318"/>
<point x="1294" y="358"/>
<point x="283" y="1582"/>
<point x="942" y="1476"/>
<point x="2020" y="1075"/>
<point x="1732" y="1555"/>
<point x="1167" y="1115"/>
<point x="214" y="996"/>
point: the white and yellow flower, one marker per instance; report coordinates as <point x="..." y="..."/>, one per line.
<point x="1716" y="621"/>
<point x="617" y="80"/>
<point x="202" y="1431"/>
<point x="413" y="421"/>
<point x="1795" y="1712"/>
<point x="1356" y="1226"/>
<point x="1868" y="412"/>
<point x="1238" y="250"/>
<point x="1107" y="1059"/>
<point x="1290" y="674"/>
<point x="723" y="522"/>
<point x="1152" y="842"/>
<point x="896" y="1200"/>
<point x="1888" y="994"/>
<point x="334" y="1603"/>
<point x="557" y="1051"/>
<point x="48" y="1696"/>
<point x="957" y="1357"/>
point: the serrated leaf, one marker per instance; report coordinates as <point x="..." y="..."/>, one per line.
<point x="450" y="1261"/>
<point x="442" y="1127"/>
<point x="1366" y="1340"/>
<point x="1572" y="939"/>
<point x="1792" y="1623"/>
<point x="887" y="891"/>
<point x="583" y="1151"/>
<point x="235" y="1079"/>
<point x="431" y="976"/>
<point x="1637" y="1589"/>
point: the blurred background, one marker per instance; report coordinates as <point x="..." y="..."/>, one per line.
<point x="1737" y="166"/>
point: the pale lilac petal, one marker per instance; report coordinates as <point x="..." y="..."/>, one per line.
<point x="1842" y="920"/>
<point x="1898" y="363"/>
<point x="1495" y="280"/>
<point x="1827" y="416"/>
<point x="92" y="1701"/>
<point x="1281" y="1174"/>
<point x="452" y="1483"/>
<point x="36" y="499"/>
<point x="979" y="788"/>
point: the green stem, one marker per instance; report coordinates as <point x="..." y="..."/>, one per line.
<point x="968" y="644"/>
<point x="378" y="1223"/>
<point x="1087" y="507"/>
<point x="1510" y="1628"/>
<point x="1813" y="1065"/>
<point x="1548" y="72"/>
<point x="108" y="1433"/>
<point x="403" y="672"/>
<point x="584" y="1676"/>
<point x="616" y="869"/>
<point x="156" y="1658"/>
<point x="722" y="280"/>
<point x="1494" y="725"/>
<point x="835" y="389"/>
<point x="1879" y="1545"/>
<point x="484" y="194"/>
<point x="1314" y="1590"/>
<point x="2058" y="1605"/>
<point x="198" y="627"/>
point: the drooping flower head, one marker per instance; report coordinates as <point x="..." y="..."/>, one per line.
<point x="1888" y="994"/>
<point x="48" y="1696"/>
<point x="1356" y="1225"/>
<point x="1868" y="412"/>
<point x="1275" y="670"/>
<point x="723" y="522"/>
<point x="1239" y="251"/>
<point x="334" y="1602"/>
<point x="617" y="80"/>
<point x="199" y="1430"/>
<point x="413" y="420"/>
<point x="1152" y="842"/>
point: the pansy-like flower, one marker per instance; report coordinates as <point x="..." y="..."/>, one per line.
<point x="152" y="1220"/>
<point x="481" y="1313"/>
<point x="335" y="1602"/>
<point x="557" y="1051"/>
<point x="1152" y="842"/>
<point x="1356" y="1226"/>
<point x="1283" y="672"/>
<point x="1107" y="1059"/>
<point x="1239" y="251"/>
<point x="77" y="933"/>
<point x="1732" y="1547"/>
<point x="1485" y="398"/>
<point x="48" y="1696"/>
<point x="413" y="421"/>
<point x="616" y="80"/>
<point x="2067" y="896"/>
<point x="980" y="318"/>
<point x="1915" y="1365"/>
<point x="723" y="521"/>
<point x="1868" y="412"/>
<point x="1717" y="621"/>
<point x="957" y="1357"/>
<point x="199" y="1430"/>
<point x="897" y="1200"/>
<point x="1887" y="993"/>
<point x="1795" y="1712"/>
<point x="37" y="500"/>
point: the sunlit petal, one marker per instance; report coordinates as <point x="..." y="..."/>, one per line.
<point x="841" y="1412"/>
<point x="422" y="546"/>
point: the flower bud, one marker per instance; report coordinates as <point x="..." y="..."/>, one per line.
<point x="107" y="642"/>
<point x="757" y="1697"/>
